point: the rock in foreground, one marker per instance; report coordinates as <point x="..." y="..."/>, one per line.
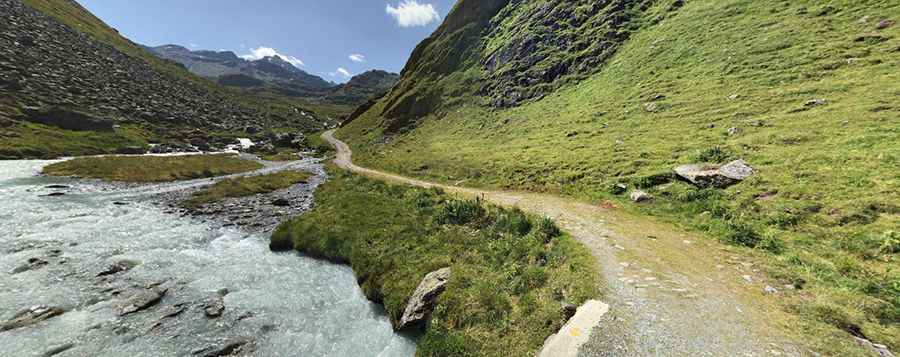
<point x="576" y="332"/>
<point x="715" y="176"/>
<point x="421" y="303"/>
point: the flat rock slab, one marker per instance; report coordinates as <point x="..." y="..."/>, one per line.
<point x="576" y="332"/>
<point x="703" y="175"/>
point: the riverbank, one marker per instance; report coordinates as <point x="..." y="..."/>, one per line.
<point x="514" y="281"/>
<point x="99" y="269"/>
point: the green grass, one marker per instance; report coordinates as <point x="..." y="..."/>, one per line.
<point x="510" y="272"/>
<point x="36" y="141"/>
<point x="247" y="186"/>
<point x="151" y="168"/>
<point x="825" y="200"/>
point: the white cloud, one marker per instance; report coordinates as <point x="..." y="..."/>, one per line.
<point x="356" y="57"/>
<point x="193" y="45"/>
<point x="409" y="13"/>
<point x="340" y="72"/>
<point x="262" y="52"/>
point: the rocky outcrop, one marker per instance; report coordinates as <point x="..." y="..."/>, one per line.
<point x="30" y="317"/>
<point x="546" y="41"/>
<point x="365" y="86"/>
<point x="717" y="176"/>
<point x="421" y="303"/>
<point x="67" y="118"/>
<point x="140" y="300"/>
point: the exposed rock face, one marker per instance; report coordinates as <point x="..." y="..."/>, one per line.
<point x="30" y="317"/>
<point x="46" y="64"/>
<point x="554" y="39"/>
<point x="714" y="175"/>
<point x="878" y="349"/>
<point x="365" y="86"/>
<point x="421" y="303"/>
<point x="66" y="118"/>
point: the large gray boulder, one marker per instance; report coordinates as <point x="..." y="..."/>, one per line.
<point x="704" y="175"/>
<point x="421" y="303"/>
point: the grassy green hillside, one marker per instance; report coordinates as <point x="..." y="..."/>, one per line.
<point x="805" y="91"/>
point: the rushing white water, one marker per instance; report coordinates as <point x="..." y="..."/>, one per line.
<point x="284" y="304"/>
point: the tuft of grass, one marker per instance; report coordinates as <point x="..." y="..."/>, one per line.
<point x="247" y="186"/>
<point x="151" y="168"/>
<point x="511" y="272"/>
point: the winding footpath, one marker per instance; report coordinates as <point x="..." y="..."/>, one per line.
<point x="671" y="293"/>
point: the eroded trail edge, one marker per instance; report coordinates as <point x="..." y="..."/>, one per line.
<point x="671" y="292"/>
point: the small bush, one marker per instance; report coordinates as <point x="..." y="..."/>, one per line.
<point x="654" y="180"/>
<point x="890" y="243"/>
<point x="742" y="234"/>
<point x="460" y="212"/>
<point x="513" y="222"/>
<point x="716" y="154"/>
<point x="547" y="229"/>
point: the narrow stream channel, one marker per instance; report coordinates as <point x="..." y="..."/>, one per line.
<point x="93" y="254"/>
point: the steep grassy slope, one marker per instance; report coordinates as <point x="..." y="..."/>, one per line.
<point x="805" y="91"/>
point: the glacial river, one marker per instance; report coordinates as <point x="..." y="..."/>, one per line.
<point x="61" y="252"/>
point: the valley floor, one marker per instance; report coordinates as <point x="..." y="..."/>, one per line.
<point x="671" y="292"/>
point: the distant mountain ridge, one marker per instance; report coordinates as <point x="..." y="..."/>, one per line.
<point x="274" y="72"/>
<point x="218" y="64"/>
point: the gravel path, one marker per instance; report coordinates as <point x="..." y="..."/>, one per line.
<point x="671" y="293"/>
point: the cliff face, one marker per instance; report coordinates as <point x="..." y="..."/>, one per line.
<point x="439" y="68"/>
<point x="505" y="53"/>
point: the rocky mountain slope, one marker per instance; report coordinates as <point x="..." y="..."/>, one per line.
<point x="79" y="87"/>
<point x="364" y="86"/>
<point x="602" y="100"/>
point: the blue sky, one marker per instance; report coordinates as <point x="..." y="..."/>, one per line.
<point x="323" y="35"/>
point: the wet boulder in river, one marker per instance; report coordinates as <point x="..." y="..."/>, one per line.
<point x="30" y="317"/>
<point x="140" y="300"/>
